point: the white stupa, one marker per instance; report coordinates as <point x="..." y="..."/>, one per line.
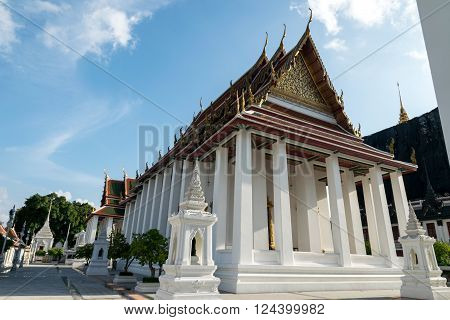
<point x="190" y="267"/>
<point x="422" y="279"/>
<point x="43" y="240"/>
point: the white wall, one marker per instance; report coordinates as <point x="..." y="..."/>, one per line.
<point x="435" y="17"/>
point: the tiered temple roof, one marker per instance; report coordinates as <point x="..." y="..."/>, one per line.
<point x="114" y="191"/>
<point x="260" y="100"/>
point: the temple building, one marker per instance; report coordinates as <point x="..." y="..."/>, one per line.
<point x="419" y="140"/>
<point x="111" y="210"/>
<point x="280" y="163"/>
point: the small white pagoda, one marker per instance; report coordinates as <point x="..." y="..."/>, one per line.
<point x="190" y="267"/>
<point x="43" y="240"/>
<point x="98" y="266"/>
<point x="422" y="279"/>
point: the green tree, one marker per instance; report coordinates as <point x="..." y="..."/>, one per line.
<point x="150" y="248"/>
<point x="442" y="250"/>
<point x="119" y="248"/>
<point x="56" y="253"/>
<point x="63" y="213"/>
<point x="85" y="252"/>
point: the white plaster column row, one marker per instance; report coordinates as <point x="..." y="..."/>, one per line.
<point x="281" y="202"/>
<point x="126" y="218"/>
<point x="164" y="201"/>
<point x="220" y="198"/>
<point x="148" y="205"/>
<point x="242" y="252"/>
<point x="137" y="210"/>
<point x="337" y="208"/>
<point x="156" y="203"/>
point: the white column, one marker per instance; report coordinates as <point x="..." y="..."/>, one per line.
<point x="93" y="229"/>
<point x="382" y="216"/>
<point x="337" y="208"/>
<point x="281" y="204"/>
<point x="242" y="252"/>
<point x="400" y="200"/>
<point x="148" y="206"/>
<point x="352" y="214"/>
<point x="370" y="216"/>
<point x="163" y="205"/>
<point x="155" y="203"/>
<point x="220" y="197"/>
<point x="143" y="207"/>
<point x="259" y="194"/>
<point x="109" y="225"/>
<point x="125" y="219"/>
<point x="324" y="217"/>
<point x="132" y="218"/>
<point x="174" y="196"/>
<point x="137" y="211"/>
<point x="307" y="213"/>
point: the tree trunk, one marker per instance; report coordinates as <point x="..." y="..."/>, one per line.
<point x="152" y="271"/>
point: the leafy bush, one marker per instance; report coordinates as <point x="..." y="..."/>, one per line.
<point x="85" y="252"/>
<point x="368" y="248"/>
<point x="150" y="248"/>
<point x="41" y="253"/>
<point x="56" y="253"/>
<point x="442" y="250"/>
<point x="119" y="248"/>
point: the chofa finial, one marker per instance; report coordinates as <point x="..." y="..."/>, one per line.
<point x="310" y="17"/>
<point x="201" y="103"/>
<point x="284" y="32"/>
<point x="265" y="44"/>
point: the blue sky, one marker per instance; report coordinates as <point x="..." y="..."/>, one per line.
<point x="64" y="120"/>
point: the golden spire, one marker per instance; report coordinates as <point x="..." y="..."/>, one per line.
<point x="238" y="108"/>
<point x="403" y="115"/>
<point x="243" y="100"/>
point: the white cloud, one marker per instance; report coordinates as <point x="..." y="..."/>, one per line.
<point x="66" y="194"/>
<point x="8" y="30"/>
<point x="91" y="203"/>
<point x="336" y="44"/>
<point x="41" y="6"/>
<point x="417" y="55"/>
<point x="99" y="27"/>
<point x="365" y="13"/>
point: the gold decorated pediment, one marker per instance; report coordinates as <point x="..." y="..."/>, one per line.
<point x="297" y="85"/>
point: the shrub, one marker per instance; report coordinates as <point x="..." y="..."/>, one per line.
<point x="56" y="253"/>
<point x="120" y="249"/>
<point x="85" y="252"/>
<point x="41" y="253"/>
<point x="368" y="248"/>
<point x="150" y="248"/>
<point x="442" y="250"/>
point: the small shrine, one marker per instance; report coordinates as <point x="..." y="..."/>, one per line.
<point x="422" y="279"/>
<point x="43" y="240"/>
<point x="190" y="267"/>
<point x="98" y="265"/>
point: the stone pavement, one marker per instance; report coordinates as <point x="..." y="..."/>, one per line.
<point x="52" y="282"/>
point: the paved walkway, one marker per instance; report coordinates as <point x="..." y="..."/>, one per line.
<point x="52" y="282"/>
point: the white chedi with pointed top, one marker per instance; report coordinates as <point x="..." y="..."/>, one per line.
<point x="190" y="267"/>
<point x="422" y="279"/>
<point x="98" y="266"/>
<point x="43" y="240"/>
